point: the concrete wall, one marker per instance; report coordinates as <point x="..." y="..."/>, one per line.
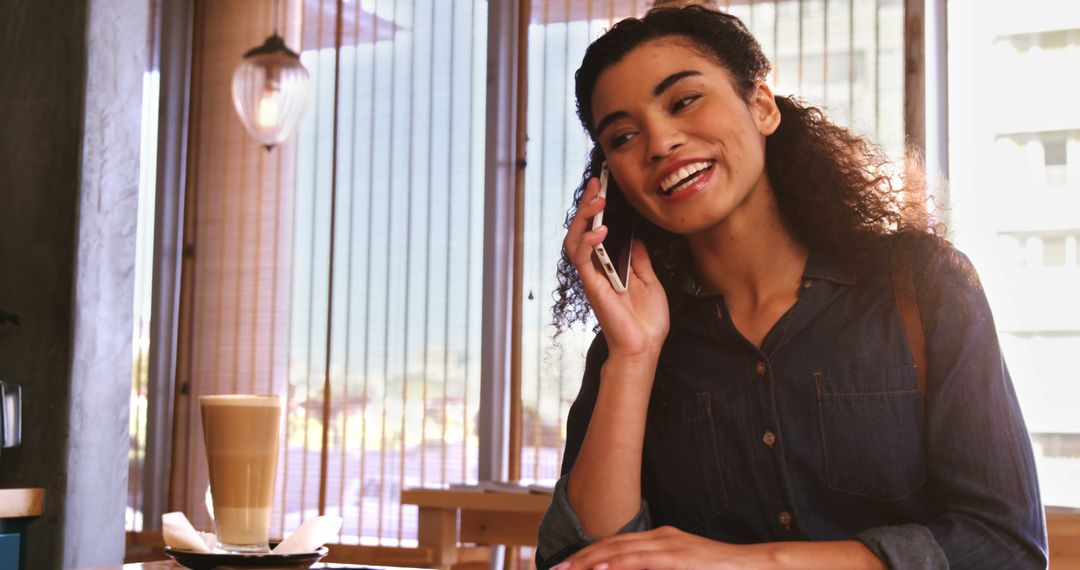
<point x="42" y="69"/>
<point x="69" y="149"/>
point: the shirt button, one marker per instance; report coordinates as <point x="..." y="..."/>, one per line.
<point x="785" y="518"/>
<point x="807" y="283"/>
<point x="719" y="313"/>
<point x="760" y="368"/>
<point x="769" y="438"/>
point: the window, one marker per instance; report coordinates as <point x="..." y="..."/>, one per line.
<point x="1038" y="160"/>
<point x="400" y="330"/>
<point x="1018" y="250"/>
<point x="1054" y="160"/>
<point x="1054" y="251"/>
<point x="1009" y="161"/>
<point x="144" y="251"/>
<point x="141" y="313"/>
<point x="1056" y="40"/>
<point x="1054" y="151"/>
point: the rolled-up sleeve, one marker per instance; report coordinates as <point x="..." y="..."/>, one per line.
<point x="907" y="546"/>
<point x="988" y="513"/>
<point x="560" y="530"/>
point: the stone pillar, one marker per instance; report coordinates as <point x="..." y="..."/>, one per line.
<point x="97" y="460"/>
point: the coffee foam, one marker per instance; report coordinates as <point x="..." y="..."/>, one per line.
<point x="240" y="400"/>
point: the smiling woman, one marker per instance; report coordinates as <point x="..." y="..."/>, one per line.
<point x="760" y="397"/>
<point x="688" y="118"/>
<point x="822" y="175"/>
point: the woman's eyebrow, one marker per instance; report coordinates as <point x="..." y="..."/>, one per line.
<point x="608" y="119"/>
<point x="672" y="80"/>
<point x="657" y="91"/>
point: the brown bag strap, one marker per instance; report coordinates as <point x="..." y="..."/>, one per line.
<point x="903" y="282"/>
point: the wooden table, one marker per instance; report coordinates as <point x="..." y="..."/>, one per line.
<point x="162" y="565"/>
<point x="450" y="519"/>
<point x="18" y="507"/>
<point x="20" y="503"/>
<point x="170" y="565"/>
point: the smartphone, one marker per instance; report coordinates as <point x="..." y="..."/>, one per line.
<point x="614" y="252"/>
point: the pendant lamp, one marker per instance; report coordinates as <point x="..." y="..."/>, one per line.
<point x="270" y="90"/>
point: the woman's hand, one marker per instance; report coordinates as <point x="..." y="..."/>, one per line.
<point x="664" y="547"/>
<point x="635" y="323"/>
<point x="669" y="547"/>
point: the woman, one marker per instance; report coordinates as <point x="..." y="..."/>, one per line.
<point x="753" y="400"/>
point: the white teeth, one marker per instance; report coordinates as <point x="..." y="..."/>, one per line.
<point x="667" y="186"/>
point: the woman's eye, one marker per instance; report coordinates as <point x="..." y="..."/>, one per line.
<point x="683" y="102"/>
<point x="620" y="139"/>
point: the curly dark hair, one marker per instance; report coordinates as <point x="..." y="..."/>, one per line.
<point x="833" y="188"/>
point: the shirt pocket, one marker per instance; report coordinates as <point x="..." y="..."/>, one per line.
<point x="872" y="432"/>
<point x="682" y="477"/>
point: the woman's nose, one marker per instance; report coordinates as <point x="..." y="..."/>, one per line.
<point x="663" y="140"/>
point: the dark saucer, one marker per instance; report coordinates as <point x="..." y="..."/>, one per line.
<point x="214" y="561"/>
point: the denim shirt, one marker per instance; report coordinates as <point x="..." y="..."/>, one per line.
<point x="822" y="432"/>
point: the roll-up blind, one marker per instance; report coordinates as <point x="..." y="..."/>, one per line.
<point x="343" y="269"/>
<point x="236" y="287"/>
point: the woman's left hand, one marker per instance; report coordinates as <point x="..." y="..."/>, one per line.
<point x="664" y="547"/>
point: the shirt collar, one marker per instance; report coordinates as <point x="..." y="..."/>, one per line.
<point x="818" y="266"/>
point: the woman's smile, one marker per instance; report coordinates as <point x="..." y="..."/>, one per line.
<point x="685" y="147"/>
<point x="687" y="181"/>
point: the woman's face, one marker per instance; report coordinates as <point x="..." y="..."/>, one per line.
<point x="685" y="147"/>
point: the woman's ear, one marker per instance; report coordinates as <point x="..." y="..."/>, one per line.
<point x="763" y="109"/>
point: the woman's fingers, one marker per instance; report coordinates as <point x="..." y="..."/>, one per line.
<point x="642" y="559"/>
<point x="580" y="237"/>
<point x="641" y="264"/>
<point x="657" y="549"/>
<point x="588" y="207"/>
<point x="592" y="275"/>
<point x="622" y="549"/>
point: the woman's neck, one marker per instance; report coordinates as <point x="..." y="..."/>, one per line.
<point x="751" y="258"/>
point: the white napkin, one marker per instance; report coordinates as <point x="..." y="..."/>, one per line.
<point x="311" y="535"/>
<point x="179" y="534"/>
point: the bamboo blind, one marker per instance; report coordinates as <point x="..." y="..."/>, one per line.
<point x="235" y="295"/>
<point x="343" y="269"/>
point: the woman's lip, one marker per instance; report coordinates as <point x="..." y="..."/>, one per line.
<point x="691" y="188"/>
<point x="675" y="166"/>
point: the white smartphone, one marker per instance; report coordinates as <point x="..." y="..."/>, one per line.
<point x="614" y="252"/>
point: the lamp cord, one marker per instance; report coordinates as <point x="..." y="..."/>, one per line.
<point x="277" y="13"/>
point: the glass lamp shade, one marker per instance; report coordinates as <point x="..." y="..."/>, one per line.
<point x="270" y="91"/>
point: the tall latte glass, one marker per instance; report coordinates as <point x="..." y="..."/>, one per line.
<point x="241" y="434"/>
